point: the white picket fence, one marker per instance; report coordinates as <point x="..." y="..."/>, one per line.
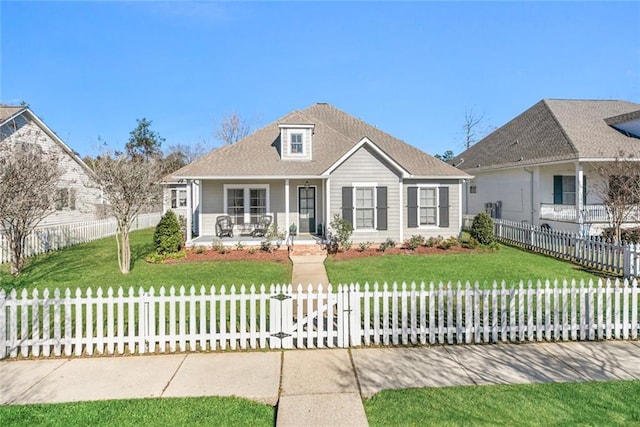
<point x="594" y="252"/>
<point x="48" y="239"/>
<point x="34" y="324"/>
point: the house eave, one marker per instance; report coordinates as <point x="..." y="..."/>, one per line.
<point x="247" y="177"/>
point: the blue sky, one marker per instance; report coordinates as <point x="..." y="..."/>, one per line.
<point x="90" y="69"/>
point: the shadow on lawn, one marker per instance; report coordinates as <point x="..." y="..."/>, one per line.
<point x="69" y="263"/>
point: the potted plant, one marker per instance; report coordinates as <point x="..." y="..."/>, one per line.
<point x="293" y="230"/>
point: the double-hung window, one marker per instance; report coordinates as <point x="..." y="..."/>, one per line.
<point x="296" y="143"/>
<point x="365" y="208"/>
<point x="257" y="203"/>
<point x="428" y="206"/>
<point x="65" y="199"/>
<point x="364" y="205"/>
<point x="178" y="198"/>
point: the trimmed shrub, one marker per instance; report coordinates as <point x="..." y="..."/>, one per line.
<point x="167" y="238"/>
<point x="389" y="243"/>
<point x="414" y="242"/>
<point x="364" y="246"/>
<point x="341" y="234"/>
<point x="482" y="229"/>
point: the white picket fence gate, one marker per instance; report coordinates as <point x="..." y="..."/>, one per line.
<point x="594" y="252"/>
<point x="34" y="324"/>
<point x="47" y="239"/>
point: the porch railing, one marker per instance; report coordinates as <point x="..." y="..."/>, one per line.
<point x="592" y="213"/>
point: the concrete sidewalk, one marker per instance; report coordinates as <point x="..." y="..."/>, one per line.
<point x="313" y="387"/>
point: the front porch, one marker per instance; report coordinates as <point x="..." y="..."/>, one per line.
<point x="248" y="240"/>
<point x="593" y="214"/>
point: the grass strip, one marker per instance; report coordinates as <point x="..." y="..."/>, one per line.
<point x="200" y="411"/>
<point x="559" y="404"/>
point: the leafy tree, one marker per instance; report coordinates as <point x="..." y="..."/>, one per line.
<point x="144" y="143"/>
<point x="447" y="156"/>
<point x="28" y="178"/>
<point x="180" y="155"/>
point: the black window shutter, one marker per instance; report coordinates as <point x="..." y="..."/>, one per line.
<point x="382" y="207"/>
<point x="444" y="206"/>
<point x="412" y="207"/>
<point x="584" y="190"/>
<point x="557" y="189"/>
<point x="347" y="204"/>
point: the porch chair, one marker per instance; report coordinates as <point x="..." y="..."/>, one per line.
<point x="262" y="226"/>
<point x="224" y="226"/>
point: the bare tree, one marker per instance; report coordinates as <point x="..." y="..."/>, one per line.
<point x="130" y="186"/>
<point x="232" y="128"/>
<point x="28" y="179"/>
<point x="180" y="155"/>
<point x="619" y="191"/>
<point x="470" y="127"/>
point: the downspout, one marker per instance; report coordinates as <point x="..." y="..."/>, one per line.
<point x="530" y="172"/>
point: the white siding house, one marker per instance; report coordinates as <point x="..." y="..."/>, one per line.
<point x="78" y="197"/>
<point x="543" y="166"/>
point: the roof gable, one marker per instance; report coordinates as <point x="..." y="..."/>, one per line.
<point x="335" y="134"/>
<point x="553" y="131"/>
<point x="11" y="113"/>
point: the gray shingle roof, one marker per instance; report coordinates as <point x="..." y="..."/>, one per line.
<point x="335" y="133"/>
<point x="7" y="111"/>
<point x="555" y="130"/>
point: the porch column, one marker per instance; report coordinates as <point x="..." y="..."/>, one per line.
<point x="286" y="206"/>
<point x="328" y="207"/>
<point x="579" y="196"/>
<point x="189" y="212"/>
<point x="401" y="209"/>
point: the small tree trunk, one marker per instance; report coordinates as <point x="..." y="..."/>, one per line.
<point x="17" y="254"/>
<point x="124" y="250"/>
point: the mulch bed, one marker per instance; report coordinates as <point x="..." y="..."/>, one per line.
<point x="279" y="256"/>
<point x="282" y="255"/>
<point x="372" y="252"/>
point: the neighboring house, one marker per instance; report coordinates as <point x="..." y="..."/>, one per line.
<point x="541" y="167"/>
<point x="313" y="164"/>
<point x="78" y="197"/>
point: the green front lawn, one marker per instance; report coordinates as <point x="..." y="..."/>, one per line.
<point x="95" y="265"/>
<point x="203" y="411"/>
<point x="564" y="404"/>
<point x="509" y="264"/>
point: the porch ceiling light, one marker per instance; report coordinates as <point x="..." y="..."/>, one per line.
<point x="306" y="185"/>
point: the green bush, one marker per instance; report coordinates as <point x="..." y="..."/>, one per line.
<point x="389" y="243"/>
<point x="414" y="242"/>
<point x="449" y="243"/>
<point x="482" y="229"/>
<point x="341" y="234"/>
<point x="167" y="238"/>
<point x="364" y="246"/>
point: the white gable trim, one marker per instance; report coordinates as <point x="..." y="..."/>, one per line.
<point x="367" y="141"/>
<point x="54" y="137"/>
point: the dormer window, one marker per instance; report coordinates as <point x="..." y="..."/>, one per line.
<point x="296" y="141"/>
<point x="297" y="146"/>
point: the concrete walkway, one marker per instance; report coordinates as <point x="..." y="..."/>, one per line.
<point x="313" y="387"/>
<point x="309" y="270"/>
